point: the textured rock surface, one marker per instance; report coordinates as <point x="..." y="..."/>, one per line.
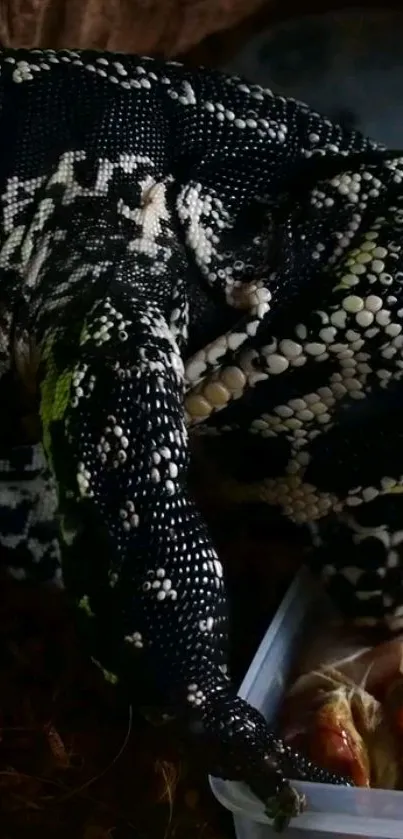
<point x="145" y="26"/>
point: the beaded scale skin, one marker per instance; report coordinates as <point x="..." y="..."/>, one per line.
<point x="189" y="252"/>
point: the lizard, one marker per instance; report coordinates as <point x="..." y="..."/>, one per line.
<point x="188" y="254"/>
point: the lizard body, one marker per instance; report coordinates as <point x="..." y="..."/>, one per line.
<point x="191" y="254"/>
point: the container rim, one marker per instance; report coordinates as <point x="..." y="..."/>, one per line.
<point x="237" y="798"/>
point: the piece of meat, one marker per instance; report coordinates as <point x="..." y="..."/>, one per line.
<point x="329" y="735"/>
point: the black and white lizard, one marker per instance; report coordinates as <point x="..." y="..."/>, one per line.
<point x="183" y="251"/>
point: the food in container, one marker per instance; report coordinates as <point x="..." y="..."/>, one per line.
<point x="345" y="708"/>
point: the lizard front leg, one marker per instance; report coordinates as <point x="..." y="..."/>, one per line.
<point x="151" y="590"/>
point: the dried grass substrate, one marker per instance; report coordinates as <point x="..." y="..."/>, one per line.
<point x="73" y="763"/>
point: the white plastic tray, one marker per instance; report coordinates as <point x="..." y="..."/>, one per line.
<point x="332" y="812"/>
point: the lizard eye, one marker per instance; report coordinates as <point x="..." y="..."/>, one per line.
<point x="123" y="185"/>
<point x="85" y="173"/>
<point x="130" y="192"/>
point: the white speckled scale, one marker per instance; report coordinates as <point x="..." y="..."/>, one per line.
<point x="191" y="254"/>
<point x="29" y="539"/>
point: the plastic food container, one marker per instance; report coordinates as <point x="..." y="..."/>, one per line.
<point x="338" y="812"/>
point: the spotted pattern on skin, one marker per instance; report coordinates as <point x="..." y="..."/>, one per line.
<point x="29" y="537"/>
<point x="194" y="255"/>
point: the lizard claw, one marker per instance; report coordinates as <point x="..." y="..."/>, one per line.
<point x="286" y="805"/>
